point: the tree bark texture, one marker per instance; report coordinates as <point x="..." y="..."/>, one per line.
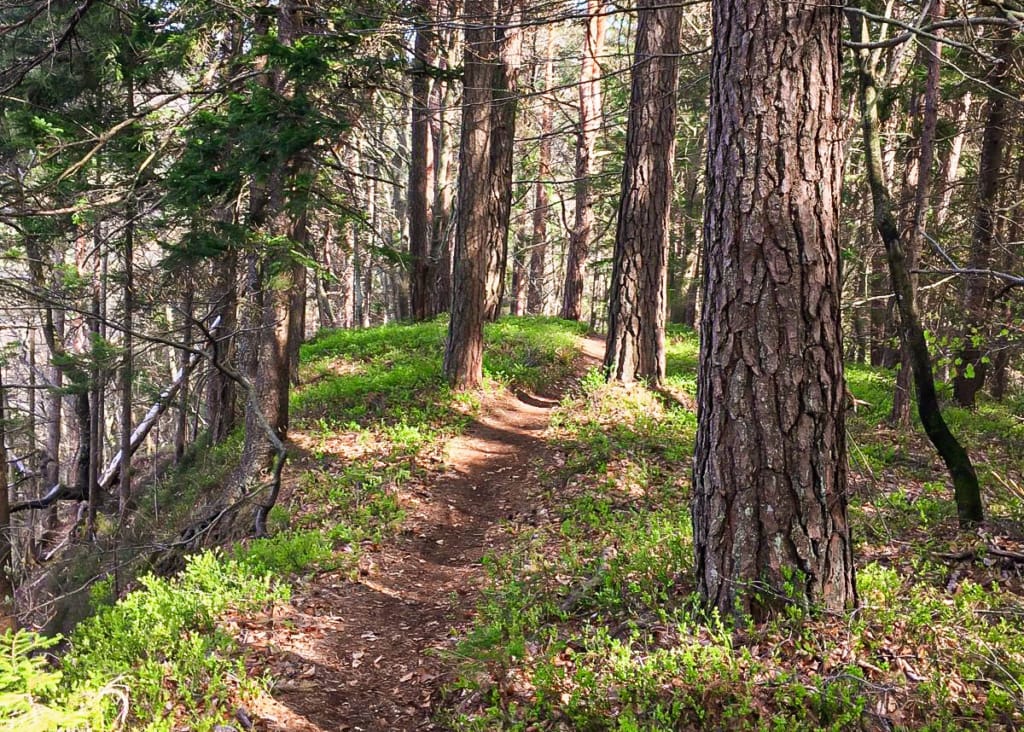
<point x="421" y="167"/>
<point x="770" y="474"/>
<point x="590" y="125"/>
<point x="965" y="481"/>
<point x="485" y="189"/>
<point x="636" y="307"/>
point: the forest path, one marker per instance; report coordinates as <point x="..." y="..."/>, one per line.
<point x="368" y="654"/>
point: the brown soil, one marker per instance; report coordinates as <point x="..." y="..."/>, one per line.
<point x="371" y="654"/>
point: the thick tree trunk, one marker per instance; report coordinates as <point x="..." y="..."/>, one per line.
<point x="972" y="366"/>
<point x="485" y="179"/>
<point x="586" y="139"/>
<point x="637" y="308"/>
<point x="770" y="480"/>
<point x="965" y="481"/>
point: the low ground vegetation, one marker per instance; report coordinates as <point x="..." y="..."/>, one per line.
<point x="589" y="621"/>
<point x="592" y="622"/>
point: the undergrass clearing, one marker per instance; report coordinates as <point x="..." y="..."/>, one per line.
<point x="592" y="622"/>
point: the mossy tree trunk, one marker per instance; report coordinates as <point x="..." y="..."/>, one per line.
<point x="965" y="481"/>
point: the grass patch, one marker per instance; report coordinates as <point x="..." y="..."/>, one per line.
<point x="592" y="621"/>
<point x="373" y="415"/>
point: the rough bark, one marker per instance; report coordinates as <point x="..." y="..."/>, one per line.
<point x="770" y="476"/>
<point x="586" y="140"/>
<point x="421" y="166"/>
<point x="485" y="176"/>
<point x="965" y="481"/>
<point x="636" y="306"/>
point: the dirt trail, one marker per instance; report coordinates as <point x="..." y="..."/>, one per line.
<point x="364" y="655"/>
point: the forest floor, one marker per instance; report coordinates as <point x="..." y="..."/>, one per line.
<point x="521" y="557"/>
<point x="372" y="651"/>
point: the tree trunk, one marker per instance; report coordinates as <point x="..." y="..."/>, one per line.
<point x="930" y="55"/>
<point x="125" y="485"/>
<point x="221" y="403"/>
<point x="770" y="481"/>
<point x="485" y="188"/>
<point x="517" y="300"/>
<point x="971" y="364"/>
<point x="181" y="423"/>
<point x="299" y="236"/>
<point x="442" y="251"/>
<point x="590" y="125"/>
<point x="8" y="619"/>
<point x="538" y="249"/>
<point x="965" y="481"/>
<point x="636" y="311"/>
<point x="421" y="167"/>
<point x="684" y="273"/>
<point x="951" y="165"/>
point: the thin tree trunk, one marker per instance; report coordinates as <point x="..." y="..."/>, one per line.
<point x="221" y="408"/>
<point x="685" y="272"/>
<point x="930" y="55"/>
<point x="972" y="366"/>
<point x="951" y="165"/>
<point x="965" y="481"/>
<point x="590" y="125"/>
<point x="127" y="375"/>
<point x="536" y="291"/>
<point x="8" y="619"/>
<point x="299" y="235"/>
<point x="181" y="423"/>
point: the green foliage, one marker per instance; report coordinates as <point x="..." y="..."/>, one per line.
<point x="31" y="695"/>
<point x="591" y="620"/>
<point x="154" y="655"/>
<point x="163" y="641"/>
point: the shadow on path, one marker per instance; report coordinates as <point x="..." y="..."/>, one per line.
<point x="369" y="654"/>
